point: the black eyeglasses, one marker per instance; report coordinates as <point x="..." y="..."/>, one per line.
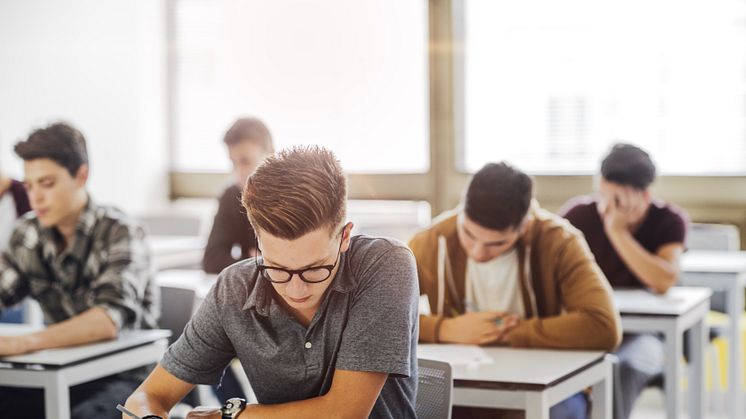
<point x="312" y="275"/>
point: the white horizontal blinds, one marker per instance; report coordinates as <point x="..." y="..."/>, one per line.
<point x="347" y="74"/>
<point x="550" y="85"/>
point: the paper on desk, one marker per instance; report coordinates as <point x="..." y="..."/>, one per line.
<point x="455" y="354"/>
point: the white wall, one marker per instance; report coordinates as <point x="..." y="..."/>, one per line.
<point x="99" y="64"/>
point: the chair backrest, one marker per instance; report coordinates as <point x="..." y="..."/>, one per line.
<point x="434" y="389"/>
<point x="713" y="237"/>
<point x="177" y="305"/>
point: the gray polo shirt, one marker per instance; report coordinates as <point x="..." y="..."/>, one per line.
<point x="367" y="321"/>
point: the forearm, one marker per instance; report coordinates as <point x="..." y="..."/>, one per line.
<point x="592" y="329"/>
<point x="141" y="403"/>
<point x="90" y="326"/>
<point x="653" y="271"/>
<point x="321" y="407"/>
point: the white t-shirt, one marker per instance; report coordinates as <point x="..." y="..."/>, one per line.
<point x="7" y="218"/>
<point x="494" y="285"/>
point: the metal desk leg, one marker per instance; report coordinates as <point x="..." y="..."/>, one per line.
<point x="735" y="308"/>
<point x="674" y="351"/>
<point x="697" y="342"/>
<point x="537" y="405"/>
<point x="602" y="395"/>
<point x="56" y="396"/>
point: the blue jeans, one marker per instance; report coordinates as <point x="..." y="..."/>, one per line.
<point x="575" y="407"/>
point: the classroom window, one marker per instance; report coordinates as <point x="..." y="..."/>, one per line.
<point x="550" y="85"/>
<point x="349" y="75"/>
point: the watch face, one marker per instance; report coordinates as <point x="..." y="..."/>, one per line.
<point x="233" y="406"/>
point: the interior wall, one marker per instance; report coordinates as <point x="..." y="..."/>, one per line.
<point x="100" y="65"/>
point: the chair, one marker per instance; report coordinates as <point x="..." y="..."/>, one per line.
<point x="434" y="389"/>
<point x="177" y="305"/>
<point x="713" y="237"/>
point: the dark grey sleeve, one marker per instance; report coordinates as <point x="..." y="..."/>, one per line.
<point x="203" y="351"/>
<point x="381" y="331"/>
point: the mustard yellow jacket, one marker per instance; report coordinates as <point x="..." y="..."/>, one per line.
<point x="567" y="298"/>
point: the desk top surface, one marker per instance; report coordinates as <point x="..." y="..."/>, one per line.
<point x="63" y="356"/>
<point x="540" y="367"/>
<point x="195" y="279"/>
<point x="677" y="301"/>
<point x="175" y="244"/>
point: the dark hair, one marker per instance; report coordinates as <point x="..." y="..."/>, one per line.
<point x="628" y="165"/>
<point x="498" y="196"/>
<point x="58" y="142"/>
<point x="296" y="191"/>
<point x="249" y="129"/>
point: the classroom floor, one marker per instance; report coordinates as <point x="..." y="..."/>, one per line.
<point x="651" y="405"/>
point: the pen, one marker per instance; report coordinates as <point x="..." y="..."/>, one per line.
<point x="127" y="412"/>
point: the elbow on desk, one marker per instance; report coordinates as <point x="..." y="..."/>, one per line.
<point x="608" y="333"/>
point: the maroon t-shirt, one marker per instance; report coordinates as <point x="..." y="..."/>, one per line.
<point x="663" y="224"/>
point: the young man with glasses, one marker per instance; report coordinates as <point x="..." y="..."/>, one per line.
<point x="325" y="324"/>
<point x="501" y="271"/>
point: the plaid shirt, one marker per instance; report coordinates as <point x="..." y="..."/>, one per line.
<point x="107" y="266"/>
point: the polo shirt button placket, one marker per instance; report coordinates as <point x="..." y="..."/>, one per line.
<point x="308" y="345"/>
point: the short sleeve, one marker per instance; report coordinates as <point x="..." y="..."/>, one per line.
<point x="381" y="331"/>
<point x="673" y="229"/>
<point x="203" y="351"/>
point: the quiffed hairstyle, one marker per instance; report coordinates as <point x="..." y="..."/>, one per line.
<point x="498" y="197"/>
<point x="628" y="165"/>
<point x="296" y="191"/>
<point x="58" y="142"/>
<point x="249" y="129"/>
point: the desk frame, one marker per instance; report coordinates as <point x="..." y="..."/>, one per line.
<point x="56" y="382"/>
<point x="536" y="400"/>
<point x="733" y="284"/>
<point x="673" y="327"/>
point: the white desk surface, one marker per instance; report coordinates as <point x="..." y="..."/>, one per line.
<point x="677" y="301"/>
<point x="713" y="261"/>
<point x="64" y="356"/>
<point x="509" y="365"/>
<point x="174" y="244"/>
<point x="197" y="280"/>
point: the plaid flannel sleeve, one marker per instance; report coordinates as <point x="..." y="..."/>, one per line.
<point x="121" y="286"/>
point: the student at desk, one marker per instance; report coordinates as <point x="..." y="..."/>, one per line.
<point x="501" y="258"/>
<point x="87" y="266"/>
<point x="249" y="142"/>
<point x="324" y="324"/>
<point x="637" y="242"/>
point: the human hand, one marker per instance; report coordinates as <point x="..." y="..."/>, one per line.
<point x="477" y="328"/>
<point x="624" y="209"/>
<point x="13" y="345"/>
<point x="202" y="412"/>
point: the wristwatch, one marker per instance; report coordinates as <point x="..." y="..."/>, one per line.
<point x="233" y="407"/>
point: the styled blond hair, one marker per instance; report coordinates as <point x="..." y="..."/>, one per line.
<point x="296" y="191"/>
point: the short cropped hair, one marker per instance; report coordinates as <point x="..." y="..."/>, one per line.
<point x="498" y="197"/>
<point x="59" y="142"/>
<point x="249" y="129"/>
<point x="629" y="166"/>
<point x="296" y="191"/>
